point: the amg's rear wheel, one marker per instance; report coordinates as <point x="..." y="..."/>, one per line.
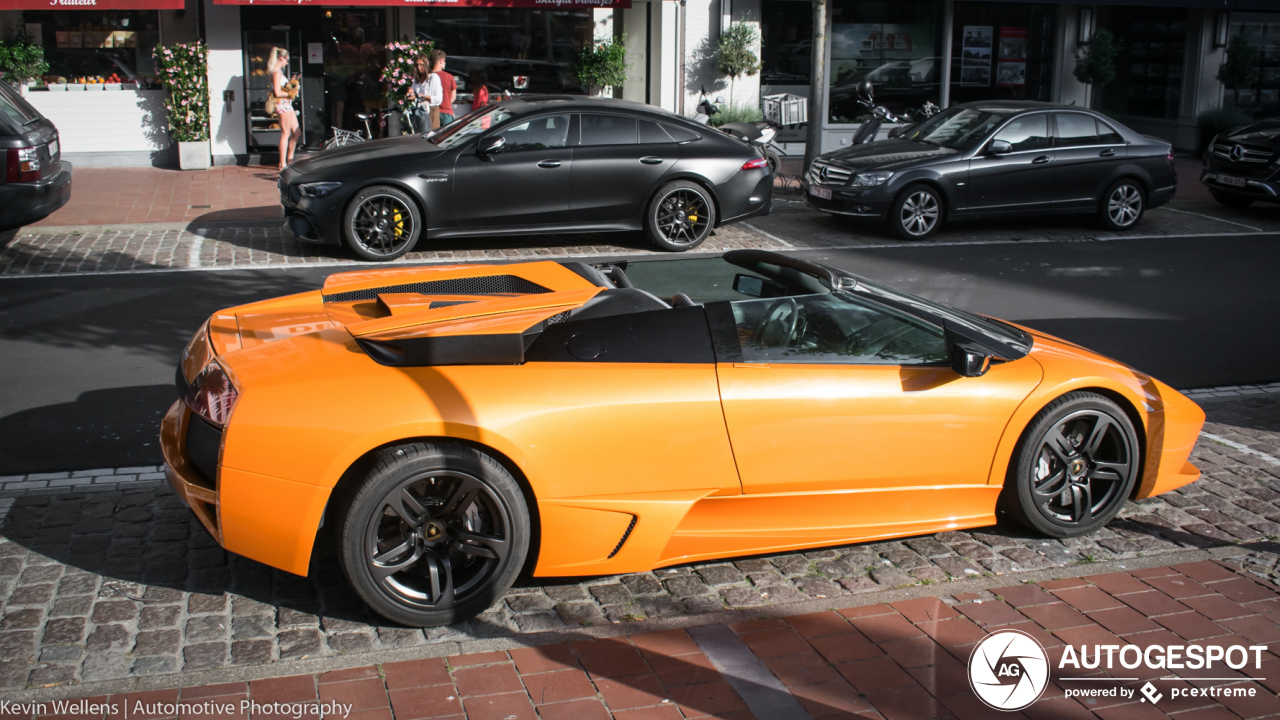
<point x="1122" y="205"/>
<point x="381" y="223"/>
<point x="1074" y="467"/>
<point x="680" y="216"/>
<point x="434" y="534"/>
<point x="1232" y="201"/>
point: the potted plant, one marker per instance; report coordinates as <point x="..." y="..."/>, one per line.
<point x="21" y="61"/>
<point x="602" y="66"/>
<point x="735" y="54"/>
<point x="184" y="70"/>
<point x="1240" y="70"/>
<point x="399" y="72"/>
<point x="1096" y="61"/>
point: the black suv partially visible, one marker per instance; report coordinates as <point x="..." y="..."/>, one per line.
<point x="34" y="181"/>
<point x="1243" y="165"/>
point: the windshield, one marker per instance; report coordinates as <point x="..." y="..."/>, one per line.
<point x="463" y="130"/>
<point x="16" y="110"/>
<point x="958" y="128"/>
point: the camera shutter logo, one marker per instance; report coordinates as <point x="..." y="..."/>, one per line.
<point x="1008" y="670"/>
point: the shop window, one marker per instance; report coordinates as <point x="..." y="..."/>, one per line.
<point x="509" y="49"/>
<point x="97" y="45"/>
<point x="1262" y="97"/>
<point x="608" y="130"/>
<point x="1149" y="66"/>
<point x="895" y="45"/>
<point x="786" y="42"/>
<point x="1029" y="132"/>
<point x="355" y="53"/>
<point x="1002" y="51"/>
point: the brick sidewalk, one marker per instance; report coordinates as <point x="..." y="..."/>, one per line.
<point x="904" y="660"/>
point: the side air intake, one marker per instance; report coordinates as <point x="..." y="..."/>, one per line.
<point x="623" y="541"/>
<point x="483" y="285"/>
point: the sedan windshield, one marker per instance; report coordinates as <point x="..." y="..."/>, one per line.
<point x="460" y="132"/>
<point x="958" y="128"/>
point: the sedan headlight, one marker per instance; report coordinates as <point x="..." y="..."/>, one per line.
<point x="318" y="189"/>
<point x="870" y="179"/>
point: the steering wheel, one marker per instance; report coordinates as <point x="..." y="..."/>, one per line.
<point x="777" y="329"/>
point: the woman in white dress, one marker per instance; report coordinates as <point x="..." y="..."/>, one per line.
<point x="289" y="129"/>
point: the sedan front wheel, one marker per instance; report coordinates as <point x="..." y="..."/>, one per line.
<point x="916" y="214"/>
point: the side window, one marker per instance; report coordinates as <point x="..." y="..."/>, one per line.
<point x="651" y="132"/>
<point x="608" y="130"/>
<point x="548" y="131"/>
<point x="1107" y="135"/>
<point x="833" y="329"/>
<point x="1030" y="132"/>
<point x="1075" y="129"/>
<point x="680" y="135"/>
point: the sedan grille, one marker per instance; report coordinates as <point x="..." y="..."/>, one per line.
<point x="1241" y="153"/>
<point x="824" y="173"/>
<point x="203" y="443"/>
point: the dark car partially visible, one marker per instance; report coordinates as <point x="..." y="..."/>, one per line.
<point x="1242" y="165"/>
<point x="34" y="181"/>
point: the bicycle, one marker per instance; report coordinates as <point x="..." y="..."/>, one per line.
<point x="342" y="137"/>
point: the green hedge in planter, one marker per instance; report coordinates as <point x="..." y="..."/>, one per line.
<point x="184" y="70"/>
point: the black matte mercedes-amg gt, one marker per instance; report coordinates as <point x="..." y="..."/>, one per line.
<point x="530" y="165"/>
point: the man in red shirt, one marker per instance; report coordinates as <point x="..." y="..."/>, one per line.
<point x="450" y="86"/>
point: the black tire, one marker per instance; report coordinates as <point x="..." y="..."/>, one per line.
<point x="1057" y="465"/>
<point x="1238" y="202"/>
<point x="381" y="223"/>
<point x="433" y="534"/>
<point x="1122" y="205"/>
<point x="680" y="216"/>
<point x="916" y="214"/>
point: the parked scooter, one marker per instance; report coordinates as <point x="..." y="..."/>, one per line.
<point x="881" y="114"/>
<point x="706" y="108"/>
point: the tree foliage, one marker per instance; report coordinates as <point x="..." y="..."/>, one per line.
<point x="736" y="50"/>
<point x="602" y="65"/>
<point x="1241" y="67"/>
<point x="21" y="60"/>
<point x="1096" y="61"/>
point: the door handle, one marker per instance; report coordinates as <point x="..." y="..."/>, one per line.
<point x="1040" y="160"/>
<point x="549" y="164"/>
<point x="651" y="160"/>
<point x="1107" y="153"/>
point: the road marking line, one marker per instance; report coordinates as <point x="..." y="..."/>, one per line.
<point x="1210" y="217"/>
<point x="1037" y="241"/>
<point x="759" y="688"/>
<point x="770" y="236"/>
<point x="1242" y="448"/>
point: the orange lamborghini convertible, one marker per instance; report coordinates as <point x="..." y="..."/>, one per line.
<point x="454" y="425"/>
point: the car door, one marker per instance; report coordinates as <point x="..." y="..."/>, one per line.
<point x="617" y="161"/>
<point x="527" y="183"/>
<point x="1086" y="152"/>
<point x="1019" y="180"/>
<point x="834" y="393"/>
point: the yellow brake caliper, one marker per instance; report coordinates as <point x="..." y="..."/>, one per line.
<point x="399" y="224"/>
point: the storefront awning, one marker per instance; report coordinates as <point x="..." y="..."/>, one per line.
<point x="1202" y="4"/>
<point x="530" y="4"/>
<point x="91" y="4"/>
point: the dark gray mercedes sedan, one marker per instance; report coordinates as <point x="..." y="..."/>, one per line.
<point x="996" y="158"/>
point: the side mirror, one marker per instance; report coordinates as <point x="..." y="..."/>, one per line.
<point x="969" y="360"/>
<point x="1001" y="147"/>
<point x="491" y="145"/>
<point x="757" y="287"/>
<point x="719" y="100"/>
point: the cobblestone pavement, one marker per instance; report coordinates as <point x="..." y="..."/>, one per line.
<point x="97" y="584"/>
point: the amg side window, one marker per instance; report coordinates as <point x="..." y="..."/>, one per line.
<point x="548" y="131"/>
<point x="608" y="130"/>
<point x="834" y="329"/>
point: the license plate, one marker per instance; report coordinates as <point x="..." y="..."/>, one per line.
<point x="823" y="193"/>
<point x="53" y="149"/>
<point x="1232" y="181"/>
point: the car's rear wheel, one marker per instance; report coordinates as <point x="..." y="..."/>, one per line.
<point x="381" y="223"/>
<point x="433" y="534"/>
<point x="916" y="214"/>
<point x="1232" y="201"/>
<point x="680" y="216"/>
<point x="1122" y="205"/>
<point x="1074" y="466"/>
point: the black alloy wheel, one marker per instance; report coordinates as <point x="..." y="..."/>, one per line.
<point x="434" y="535"/>
<point x="1122" y="205"/>
<point x="1074" y="467"/>
<point x="381" y="223"/>
<point x="916" y="214"/>
<point x="680" y="216"/>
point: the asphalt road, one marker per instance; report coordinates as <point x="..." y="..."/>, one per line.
<point x="89" y="361"/>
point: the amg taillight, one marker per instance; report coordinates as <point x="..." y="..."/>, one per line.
<point x="757" y="163"/>
<point x="23" y="165"/>
<point x="211" y="395"/>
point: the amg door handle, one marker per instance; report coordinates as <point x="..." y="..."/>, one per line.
<point x="1107" y="153"/>
<point x="549" y="164"/>
<point x="651" y="160"/>
<point x="1040" y="160"/>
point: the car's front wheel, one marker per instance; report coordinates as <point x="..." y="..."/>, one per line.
<point x="433" y="534"/>
<point x="1122" y="205"/>
<point x="381" y="223"/>
<point x="1232" y="201"/>
<point x="680" y="216"/>
<point x="916" y="214"/>
<point x="1074" y="466"/>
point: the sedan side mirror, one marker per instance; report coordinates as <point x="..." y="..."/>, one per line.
<point x="491" y="145"/>
<point x="1001" y="147"/>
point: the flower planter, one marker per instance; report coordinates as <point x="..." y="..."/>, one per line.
<point x="194" y="155"/>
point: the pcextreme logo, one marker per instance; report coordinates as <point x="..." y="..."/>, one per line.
<point x="1009" y="670"/>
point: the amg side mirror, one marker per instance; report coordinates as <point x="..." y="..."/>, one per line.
<point x="1001" y="147"/>
<point x="491" y="145"/>
<point x="969" y="360"/>
<point x="758" y="287"/>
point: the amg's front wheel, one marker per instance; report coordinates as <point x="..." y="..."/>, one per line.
<point x="1074" y="466"/>
<point x="680" y="216"/>
<point x="381" y="223"/>
<point x="434" y="534"/>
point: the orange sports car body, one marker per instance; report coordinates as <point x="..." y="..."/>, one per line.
<point x="775" y="404"/>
